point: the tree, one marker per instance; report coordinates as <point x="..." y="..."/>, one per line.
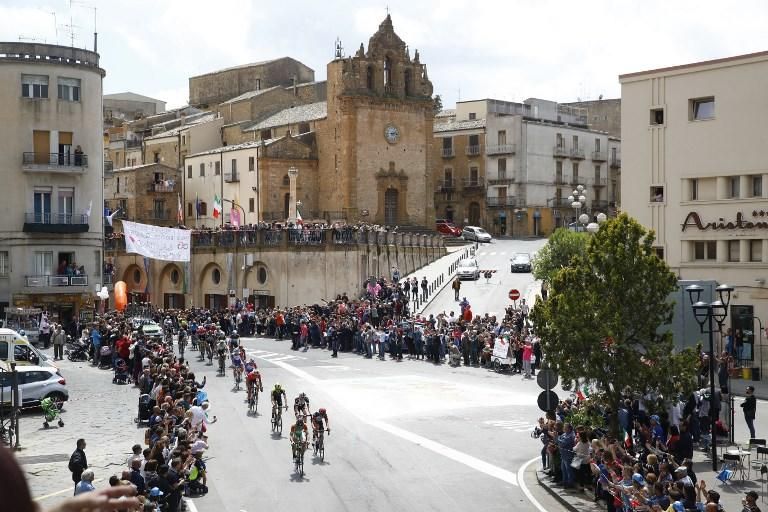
<point x="558" y="253"/>
<point x="437" y="104"/>
<point x="603" y="320"/>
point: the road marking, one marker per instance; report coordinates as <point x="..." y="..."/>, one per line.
<point x="460" y="457"/>
<point x="516" y="425"/>
<point x="333" y="368"/>
<point x="281" y="358"/>
<point x="523" y="487"/>
<point x="68" y="489"/>
<point x="190" y="505"/>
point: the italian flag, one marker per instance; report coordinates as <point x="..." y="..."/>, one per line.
<point x="216" y="206"/>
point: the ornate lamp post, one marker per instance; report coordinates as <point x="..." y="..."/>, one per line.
<point x="578" y="201"/>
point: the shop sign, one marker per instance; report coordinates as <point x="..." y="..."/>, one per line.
<point x="693" y="220"/>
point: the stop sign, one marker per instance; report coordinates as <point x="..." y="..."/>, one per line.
<point x="514" y="294"/>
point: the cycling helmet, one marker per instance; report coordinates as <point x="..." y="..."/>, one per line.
<point x="22" y="332"/>
<point x="322" y="410"/>
<point x="303" y="395"/>
<point x="278" y="387"/>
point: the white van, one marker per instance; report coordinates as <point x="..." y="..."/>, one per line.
<point x="14" y="348"/>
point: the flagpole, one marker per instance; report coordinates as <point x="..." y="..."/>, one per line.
<point x="221" y="176"/>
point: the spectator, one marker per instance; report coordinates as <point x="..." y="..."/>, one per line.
<point x="86" y="483"/>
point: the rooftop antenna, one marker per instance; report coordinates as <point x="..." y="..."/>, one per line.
<point x="338" y="49"/>
<point x="88" y="6"/>
<point x="459" y="93"/>
<point x="55" y="26"/>
<point x="31" y="39"/>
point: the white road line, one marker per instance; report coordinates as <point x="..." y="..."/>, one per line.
<point x="523" y="487"/>
<point x="191" y="505"/>
<point x="460" y="457"/>
<point x="281" y="358"/>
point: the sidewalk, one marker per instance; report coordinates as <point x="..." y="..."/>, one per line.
<point x="731" y="493"/>
<point x="438" y="274"/>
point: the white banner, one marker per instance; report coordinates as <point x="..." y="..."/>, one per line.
<point x="167" y="244"/>
<point x="500" y="348"/>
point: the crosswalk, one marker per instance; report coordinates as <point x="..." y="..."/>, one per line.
<point x="273" y="357"/>
<point x="516" y="425"/>
<point x="492" y="253"/>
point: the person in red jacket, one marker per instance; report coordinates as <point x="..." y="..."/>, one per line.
<point x="123" y="347"/>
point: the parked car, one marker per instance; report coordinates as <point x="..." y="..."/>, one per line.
<point x="468" y="269"/>
<point x="446" y="227"/>
<point x="476" y="234"/>
<point x="521" y="262"/>
<point x="35" y="384"/>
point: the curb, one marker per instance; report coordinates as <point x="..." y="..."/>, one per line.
<point x="553" y="493"/>
<point x="437" y="291"/>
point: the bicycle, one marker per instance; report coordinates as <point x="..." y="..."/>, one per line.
<point x="222" y="362"/>
<point x="238" y="378"/>
<point x="253" y="399"/>
<point x="210" y="354"/>
<point x="320" y="443"/>
<point x="277" y="418"/>
<point x="298" y="458"/>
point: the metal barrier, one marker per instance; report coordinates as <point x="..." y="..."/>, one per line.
<point x="272" y="237"/>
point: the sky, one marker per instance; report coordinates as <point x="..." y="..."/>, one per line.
<point x="509" y="50"/>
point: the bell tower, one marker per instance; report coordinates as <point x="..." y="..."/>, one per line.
<point x="380" y="121"/>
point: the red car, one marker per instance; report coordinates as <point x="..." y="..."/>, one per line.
<point x="446" y="227"/>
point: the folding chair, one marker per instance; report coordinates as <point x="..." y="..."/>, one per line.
<point x="734" y="461"/>
<point x="761" y="457"/>
<point x="725" y="474"/>
<point x="763" y="481"/>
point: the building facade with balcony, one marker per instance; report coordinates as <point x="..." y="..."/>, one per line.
<point x="52" y="147"/>
<point x="532" y="155"/>
<point x="148" y="194"/>
<point x="696" y="175"/>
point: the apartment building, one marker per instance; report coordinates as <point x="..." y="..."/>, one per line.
<point x="696" y="174"/>
<point x="51" y="143"/>
<point x="148" y="193"/>
<point x="525" y="158"/>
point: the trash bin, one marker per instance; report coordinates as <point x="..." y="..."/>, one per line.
<point x="746" y="373"/>
<point x="756" y="373"/>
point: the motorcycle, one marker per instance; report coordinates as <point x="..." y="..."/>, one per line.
<point x="76" y="350"/>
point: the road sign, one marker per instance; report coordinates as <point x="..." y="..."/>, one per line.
<point x="514" y="294"/>
<point x="547" y="379"/>
<point x="547" y="401"/>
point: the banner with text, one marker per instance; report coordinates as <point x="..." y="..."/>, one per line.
<point x="167" y="244"/>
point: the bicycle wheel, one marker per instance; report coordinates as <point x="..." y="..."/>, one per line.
<point x="255" y="400"/>
<point x="280" y="424"/>
<point x="322" y="450"/>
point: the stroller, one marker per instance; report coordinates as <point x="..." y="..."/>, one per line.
<point x="50" y="412"/>
<point x="121" y="372"/>
<point x="145" y="411"/>
<point x="105" y="357"/>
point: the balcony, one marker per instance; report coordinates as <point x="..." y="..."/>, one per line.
<point x="474" y="150"/>
<point x="54" y="162"/>
<point x="501" y="202"/>
<point x="560" y="152"/>
<point x="501" y="180"/>
<point x="599" y="182"/>
<point x="446" y="186"/>
<point x="161" y="187"/>
<point x="55" y="281"/>
<point x="473" y="184"/>
<point x="615" y="163"/>
<point x="577" y="154"/>
<point x="231" y="177"/>
<point x="134" y="143"/>
<point x="561" y="202"/>
<point x="55" y="223"/>
<point x="158" y="215"/>
<point x="599" y="156"/>
<point x="500" y="149"/>
<point x="448" y="153"/>
<point x="562" y="180"/>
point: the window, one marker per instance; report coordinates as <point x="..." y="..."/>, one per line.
<point x="757" y="186"/>
<point x="183" y="140"/>
<point x="189" y="209"/>
<point x="5" y="264"/>
<point x="387" y="71"/>
<point x="136" y="276"/>
<point x="755" y="251"/>
<point x="474" y="177"/>
<point x="175" y="276"/>
<point x="216" y="276"/>
<point x="189" y="172"/>
<point x="42" y="205"/>
<point x="694" y="189"/>
<point x="43" y="263"/>
<point x="502" y="137"/>
<point x="575" y="142"/>
<point x="734" y="187"/>
<point x="369" y="78"/>
<point x="217" y="168"/>
<point x="448" y="178"/>
<point x="303" y="127"/>
<point x="118" y="184"/>
<point x="447" y="143"/>
<point x="597" y="175"/>
<point x="66" y="204"/>
<point x="34" y="86"/>
<point x="559" y="168"/>
<point x="657" y="194"/>
<point x="657" y="116"/>
<point x="659" y="252"/>
<point x="258" y="84"/>
<point x="266" y="134"/>
<point x="474" y="140"/>
<point x="704" y="250"/>
<point x="202" y="170"/>
<point x="234" y="166"/>
<point x="156" y="157"/>
<point x="262" y="275"/>
<point x="203" y="209"/>
<point x="702" y="109"/>
<point x="559" y="139"/>
<point x="251" y="163"/>
<point x="597" y="145"/>
<point x="472" y="116"/>
<point x="575" y="172"/>
<point x="502" y="167"/>
<point x="251" y="204"/>
<point x="733" y="250"/>
<point x="69" y="89"/>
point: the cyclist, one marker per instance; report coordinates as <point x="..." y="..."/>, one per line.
<point x="298" y="437"/>
<point x="301" y="405"/>
<point x="237" y="364"/>
<point x="221" y="351"/>
<point x="319" y="422"/>
<point x="182" y="337"/>
<point x="253" y="378"/>
<point x="234" y="340"/>
<point x="278" y="394"/>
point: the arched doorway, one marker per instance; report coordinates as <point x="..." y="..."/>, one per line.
<point x="390" y="206"/>
<point x="474" y="214"/>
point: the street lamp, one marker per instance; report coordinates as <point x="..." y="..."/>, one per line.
<point x="704" y="313"/>
<point x="578" y="200"/>
<point x="594" y="227"/>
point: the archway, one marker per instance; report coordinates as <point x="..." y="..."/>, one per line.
<point x="136" y="283"/>
<point x="390" y="206"/>
<point x="474" y="214"/>
<point x="214" y="287"/>
<point x="172" y="287"/>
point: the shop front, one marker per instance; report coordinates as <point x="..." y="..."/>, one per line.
<point x="68" y="309"/>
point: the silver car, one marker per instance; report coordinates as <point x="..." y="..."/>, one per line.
<point x="35" y="384"/>
<point x="476" y="234"/>
<point x="468" y="269"/>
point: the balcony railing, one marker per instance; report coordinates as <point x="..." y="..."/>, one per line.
<point x="446" y="185"/>
<point x="448" y="153"/>
<point x="615" y="163"/>
<point x="132" y="144"/>
<point x="500" y="149"/>
<point x="38" y="222"/>
<point x="561" y="202"/>
<point x="158" y="214"/>
<point x="473" y="183"/>
<point x="577" y="153"/>
<point x="501" y="180"/>
<point x="306" y="236"/>
<point x="560" y="151"/>
<point x="161" y="187"/>
<point x="474" y="150"/>
<point x="501" y="201"/>
<point x="562" y="180"/>
<point x="45" y="281"/>
<point x="599" y="182"/>
<point x="598" y="156"/>
<point x="61" y="161"/>
<point x="231" y="176"/>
